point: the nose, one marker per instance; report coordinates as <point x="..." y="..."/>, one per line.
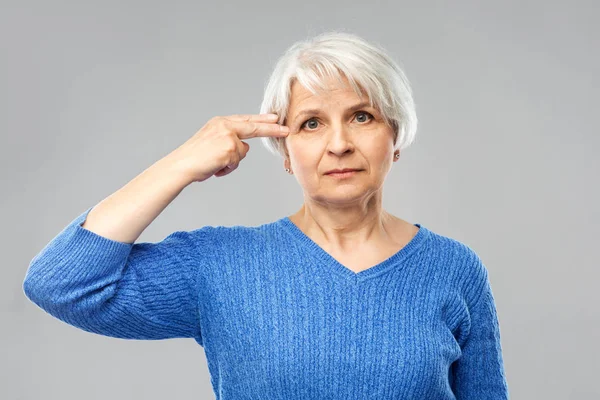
<point x="339" y="141"/>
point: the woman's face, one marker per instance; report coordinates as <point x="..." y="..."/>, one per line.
<point x="337" y="135"/>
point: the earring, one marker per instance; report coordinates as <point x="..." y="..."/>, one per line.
<point x="287" y="170"/>
<point x="397" y="155"/>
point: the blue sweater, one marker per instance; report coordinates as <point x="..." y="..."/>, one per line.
<point x="279" y="317"/>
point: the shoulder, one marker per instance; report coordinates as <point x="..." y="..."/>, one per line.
<point x="465" y="266"/>
<point x="232" y="237"/>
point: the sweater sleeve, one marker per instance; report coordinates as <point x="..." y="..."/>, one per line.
<point x="123" y="290"/>
<point x="479" y="373"/>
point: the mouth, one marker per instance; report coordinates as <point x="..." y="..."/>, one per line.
<point x="343" y="173"/>
<point x="338" y="171"/>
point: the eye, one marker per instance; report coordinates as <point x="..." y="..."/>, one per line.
<point x="357" y="113"/>
<point x="364" y="112"/>
<point x="307" y="121"/>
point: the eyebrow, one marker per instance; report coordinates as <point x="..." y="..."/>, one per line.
<point x="316" y="110"/>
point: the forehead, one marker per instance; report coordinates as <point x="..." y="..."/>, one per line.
<point x="334" y="92"/>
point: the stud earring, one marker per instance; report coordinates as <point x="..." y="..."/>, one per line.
<point x="287" y="170"/>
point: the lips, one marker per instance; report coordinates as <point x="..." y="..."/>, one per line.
<point x="341" y="170"/>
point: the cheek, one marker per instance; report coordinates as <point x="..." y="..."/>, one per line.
<point x="305" y="157"/>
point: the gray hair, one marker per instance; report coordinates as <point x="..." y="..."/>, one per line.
<point x="365" y="65"/>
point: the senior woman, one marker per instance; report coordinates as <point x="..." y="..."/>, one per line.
<point x="341" y="300"/>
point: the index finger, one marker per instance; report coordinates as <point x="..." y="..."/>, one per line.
<point x="248" y="126"/>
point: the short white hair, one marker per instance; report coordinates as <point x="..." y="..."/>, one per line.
<point x="365" y="65"/>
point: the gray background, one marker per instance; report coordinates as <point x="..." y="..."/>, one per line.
<point x="507" y="98"/>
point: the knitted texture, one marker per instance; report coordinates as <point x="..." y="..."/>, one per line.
<point x="279" y="317"/>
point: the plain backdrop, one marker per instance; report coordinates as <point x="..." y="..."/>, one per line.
<point x="505" y="161"/>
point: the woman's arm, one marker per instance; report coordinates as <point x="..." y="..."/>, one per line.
<point x="479" y="373"/>
<point x="93" y="276"/>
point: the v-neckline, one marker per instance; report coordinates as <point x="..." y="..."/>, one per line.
<point x="338" y="268"/>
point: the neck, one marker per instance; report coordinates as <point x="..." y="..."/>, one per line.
<point x="345" y="228"/>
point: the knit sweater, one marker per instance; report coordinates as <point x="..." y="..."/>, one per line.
<point x="279" y="317"/>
